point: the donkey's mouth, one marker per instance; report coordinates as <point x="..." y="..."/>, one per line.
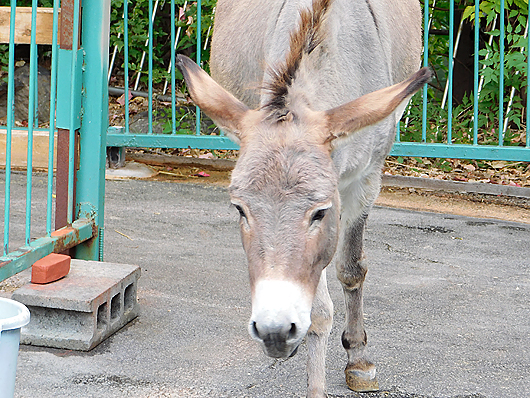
<point x="294" y="351"/>
<point x="279" y="350"/>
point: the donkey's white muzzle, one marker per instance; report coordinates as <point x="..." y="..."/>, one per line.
<point x="281" y="316"/>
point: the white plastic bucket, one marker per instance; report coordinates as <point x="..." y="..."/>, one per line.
<point x="13" y="315"/>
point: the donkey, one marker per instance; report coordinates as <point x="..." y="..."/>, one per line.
<point x="310" y="91"/>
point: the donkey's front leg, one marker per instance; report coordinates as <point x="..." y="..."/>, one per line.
<point x="360" y="372"/>
<point x="317" y="340"/>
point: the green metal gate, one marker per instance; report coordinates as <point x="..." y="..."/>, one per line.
<point x="77" y="116"/>
<point x="78" y="106"/>
<point x="415" y="136"/>
<point x="121" y="136"/>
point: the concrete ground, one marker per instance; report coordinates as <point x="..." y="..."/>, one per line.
<point x="447" y="304"/>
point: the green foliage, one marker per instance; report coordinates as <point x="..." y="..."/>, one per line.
<point x="138" y="30"/>
<point x="183" y="125"/>
<point x="514" y="67"/>
<point x="4" y="60"/>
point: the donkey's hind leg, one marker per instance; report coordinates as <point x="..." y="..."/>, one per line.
<point x="317" y="340"/>
<point x="360" y="372"/>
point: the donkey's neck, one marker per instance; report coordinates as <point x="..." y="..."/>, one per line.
<point x="294" y="53"/>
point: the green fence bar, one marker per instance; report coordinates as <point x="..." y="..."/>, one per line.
<point x="199" y="46"/>
<point x="51" y="131"/>
<point x="450" y="73"/>
<point x="17" y="261"/>
<point x="31" y="115"/>
<point x="126" y="59"/>
<point x="150" y="67"/>
<point x="172" y="67"/>
<point x="73" y="113"/>
<point x="461" y="151"/>
<point x="115" y="137"/>
<point x="425" y="63"/>
<point x="10" y="111"/>
<point x="475" y="74"/>
<point x="501" y="75"/>
<point x="528" y="85"/>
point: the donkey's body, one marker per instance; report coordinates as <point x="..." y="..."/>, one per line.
<point x="304" y="182"/>
<point x="368" y="45"/>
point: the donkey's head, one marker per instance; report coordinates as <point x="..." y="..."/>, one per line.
<point x="284" y="187"/>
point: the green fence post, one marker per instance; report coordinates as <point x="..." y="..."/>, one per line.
<point x="450" y="72"/>
<point x="90" y="188"/>
<point x="527" y="86"/>
<point x="31" y="116"/>
<point x="150" y="67"/>
<point x="425" y="64"/>
<point x="199" y="45"/>
<point x="475" y="73"/>
<point x="51" y="131"/>
<point x="501" y="74"/>
<point x="10" y="124"/>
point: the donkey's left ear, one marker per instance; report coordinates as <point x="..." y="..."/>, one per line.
<point x="374" y="107"/>
<point x="221" y="106"/>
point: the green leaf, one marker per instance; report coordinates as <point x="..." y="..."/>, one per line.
<point x="494" y="33"/>
<point x="469" y="13"/>
<point x="521" y="42"/>
<point x="522" y="4"/>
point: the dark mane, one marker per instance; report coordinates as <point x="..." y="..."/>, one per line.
<point x="303" y="40"/>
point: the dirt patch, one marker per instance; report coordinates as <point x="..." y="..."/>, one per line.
<point x="496" y="172"/>
<point x="197" y="175"/>
<point x="470" y="205"/>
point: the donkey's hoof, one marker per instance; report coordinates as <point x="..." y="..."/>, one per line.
<point x="360" y="376"/>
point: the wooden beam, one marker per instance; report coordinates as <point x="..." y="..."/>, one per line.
<point x="23" y="25"/>
<point x="19" y="148"/>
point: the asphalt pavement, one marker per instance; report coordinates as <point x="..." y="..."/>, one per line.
<point x="447" y="307"/>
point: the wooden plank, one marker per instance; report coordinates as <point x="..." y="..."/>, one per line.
<point x="23" y="25"/>
<point x="19" y="148"/>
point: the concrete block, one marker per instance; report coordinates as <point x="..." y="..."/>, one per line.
<point x="50" y="268"/>
<point x="81" y="310"/>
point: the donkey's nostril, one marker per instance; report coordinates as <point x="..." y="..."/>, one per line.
<point x="255" y="330"/>
<point x="273" y="332"/>
<point x="292" y="331"/>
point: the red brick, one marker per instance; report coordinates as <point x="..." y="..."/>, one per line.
<point x="50" y="268"/>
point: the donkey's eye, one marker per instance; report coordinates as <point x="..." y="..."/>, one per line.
<point x="241" y="211"/>
<point x="318" y="215"/>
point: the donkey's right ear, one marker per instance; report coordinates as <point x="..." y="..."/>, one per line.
<point x="221" y="106"/>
